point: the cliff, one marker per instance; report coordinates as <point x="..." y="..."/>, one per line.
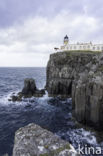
<point x="80" y="75"/>
<point x="32" y="140"/>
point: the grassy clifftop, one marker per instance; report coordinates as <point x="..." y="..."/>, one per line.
<point x="80" y="52"/>
<point x="61" y="58"/>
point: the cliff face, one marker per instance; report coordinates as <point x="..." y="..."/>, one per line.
<point x="80" y="75"/>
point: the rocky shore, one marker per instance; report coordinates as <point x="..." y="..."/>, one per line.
<point x="32" y="140"/>
<point x="79" y="75"/>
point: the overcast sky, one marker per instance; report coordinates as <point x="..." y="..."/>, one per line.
<point x="30" y="29"/>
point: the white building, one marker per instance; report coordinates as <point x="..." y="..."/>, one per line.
<point x="79" y="46"/>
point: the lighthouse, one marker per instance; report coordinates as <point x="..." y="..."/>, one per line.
<point x="66" y="40"/>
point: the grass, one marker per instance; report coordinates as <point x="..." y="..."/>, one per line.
<point x="86" y="51"/>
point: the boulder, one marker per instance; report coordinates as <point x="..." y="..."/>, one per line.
<point x="32" y="140"/>
<point x="14" y="98"/>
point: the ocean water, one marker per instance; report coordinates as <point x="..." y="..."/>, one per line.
<point x="53" y="114"/>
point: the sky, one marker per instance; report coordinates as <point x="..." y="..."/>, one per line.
<point x="30" y="29"/>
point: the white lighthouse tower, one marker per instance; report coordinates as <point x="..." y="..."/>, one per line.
<point x="66" y="40"/>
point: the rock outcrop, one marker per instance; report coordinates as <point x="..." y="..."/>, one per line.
<point x="29" y="87"/>
<point x="33" y="140"/>
<point x="28" y="91"/>
<point x="80" y="75"/>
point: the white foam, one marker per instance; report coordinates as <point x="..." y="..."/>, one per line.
<point x="45" y="96"/>
<point x="4" y="100"/>
<point x="89" y="136"/>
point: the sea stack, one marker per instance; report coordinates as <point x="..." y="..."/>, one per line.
<point x="29" y="90"/>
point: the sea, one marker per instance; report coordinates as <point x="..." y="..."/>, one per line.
<point x="53" y="114"/>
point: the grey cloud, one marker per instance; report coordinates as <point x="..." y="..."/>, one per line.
<point x="31" y="28"/>
<point x="12" y="11"/>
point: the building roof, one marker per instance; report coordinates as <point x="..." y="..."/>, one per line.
<point x="66" y="37"/>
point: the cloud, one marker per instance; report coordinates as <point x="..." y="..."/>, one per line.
<point x="30" y="42"/>
<point x="12" y="11"/>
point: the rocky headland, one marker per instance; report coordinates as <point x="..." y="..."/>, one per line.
<point x="69" y="74"/>
<point x="79" y="75"/>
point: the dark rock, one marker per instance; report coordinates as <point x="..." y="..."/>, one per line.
<point x="39" y="93"/>
<point x="29" y="87"/>
<point x="32" y="140"/>
<point x="42" y="91"/>
<point x="20" y="95"/>
<point x="28" y="91"/>
<point x="14" y="98"/>
<point x="9" y="99"/>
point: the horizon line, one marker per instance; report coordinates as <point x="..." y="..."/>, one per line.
<point x="22" y="67"/>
